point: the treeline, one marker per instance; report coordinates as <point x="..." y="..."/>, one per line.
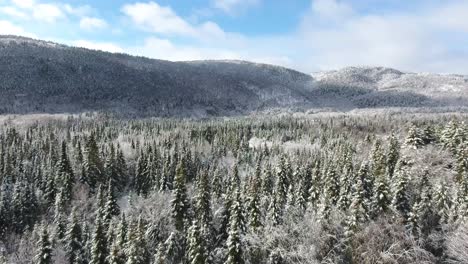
<point x="313" y="189"/>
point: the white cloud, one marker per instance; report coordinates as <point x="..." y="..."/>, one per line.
<point x="164" y="49"/>
<point x="158" y="19"/>
<point x="331" y="9"/>
<point x="13" y="12"/>
<point x="47" y="13"/>
<point x="104" y="46"/>
<point x="92" y="23"/>
<point x="233" y="6"/>
<point x="43" y="12"/>
<point x="163" y="20"/>
<point x="408" y="41"/>
<point x="23" y="3"/>
<point x="79" y="11"/>
<point x="7" y="28"/>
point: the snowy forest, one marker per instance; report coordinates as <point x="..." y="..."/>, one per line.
<point x="291" y="188"/>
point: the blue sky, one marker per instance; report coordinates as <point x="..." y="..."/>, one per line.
<point x="308" y="35"/>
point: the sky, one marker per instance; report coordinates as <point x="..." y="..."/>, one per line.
<point x="307" y="35"/>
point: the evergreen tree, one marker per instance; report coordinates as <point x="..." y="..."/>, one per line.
<point x="73" y="241"/>
<point x="393" y="155"/>
<point x="58" y="215"/>
<point x="43" y="248"/>
<point x="414" y="138"/>
<point x="136" y="251"/>
<point x="381" y="200"/>
<point x="234" y="241"/>
<point x="203" y="201"/>
<point x="180" y="204"/>
<point x="443" y="202"/>
<point x="332" y="186"/>
<point x="253" y="207"/>
<point x="196" y="247"/>
<point x="99" y="250"/>
<point x="115" y="254"/>
<point x="111" y="208"/>
<point x="92" y="164"/>
<point x="65" y="176"/>
<point x="401" y="199"/>
<point x="142" y="176"/>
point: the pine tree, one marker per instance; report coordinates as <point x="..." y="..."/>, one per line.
<point x="378" y="160"/>
<point x="142" y="177"/>
<point x="173" y="248"/>
<point x="180" y="204"/>
<point x="65" y="176"/>
<point x="203" y="201"/>
<point x="393" y="155"/>
<point x="358" y="211"/>
<point x="401" y="200"/>
<point x="315" y="189"/>
<point x="50" y="189"/>
<point x="381" y="200"/>
<point x="443" y="202"/>
<point x="43" y="248"/>
<point x="93" y="167"/>
<point x="73" y="241"/>
<point x="115" y="168"/>
<point x="5" y="209"/>
<point x="60" y="204"/>
<point x="414" y="138"/>
<point x="136" y="248"/>
<point x="303" y="193"/>
<point x="196" y="247"/>
<point x="332" y="186"/>
<point x="99" y="244"/>
<point x="234" y="241"/>
<point x="253" y="207"/>
<point x="282" y="184"/>
<point x="268" y="180"/>
<point x="421" y="216"/>
<point x="111" y="208"/>
<point x="115" y="254"/>
<point x="217" y="183"/>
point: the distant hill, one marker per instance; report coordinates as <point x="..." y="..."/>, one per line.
<point x="38" y="76"/>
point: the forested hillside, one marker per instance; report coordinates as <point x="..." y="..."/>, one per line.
<point x="43" y="77"/>
<point x="322" y="188"/>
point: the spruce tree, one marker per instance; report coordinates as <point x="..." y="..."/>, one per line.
<point x="65" y="176"/>
<point x="111" y="208"/>
<point x="443" y="202"/>
<point x="59" y="211"/>
<point x="180" y="204"/>
<point x="196" y="247"/>
<point x="332" y="186"/>
<point x="253" y="207"/>
<point x="393" y="155"/>
<point x="414" y="138"/>
<point x="99" y="250"/>
<point x="43" y="247"/>
<point x="381" y="200"/>
<point x="236" y="229"/>
<point x="73" y="241"/>
<point x="136" y="248"/>
<point x="401" y="200"/>
<point x="93" y="167"/>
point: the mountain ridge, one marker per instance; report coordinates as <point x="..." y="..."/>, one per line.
<point x="42" y="76"/>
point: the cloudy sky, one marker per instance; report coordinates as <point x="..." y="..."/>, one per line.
<point x="308" y="35"/>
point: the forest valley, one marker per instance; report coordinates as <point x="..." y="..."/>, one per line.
<point x="311" y="188"/>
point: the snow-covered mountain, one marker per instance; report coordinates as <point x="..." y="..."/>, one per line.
<point x="387" y="79"/>
<point x="40" y="76"/>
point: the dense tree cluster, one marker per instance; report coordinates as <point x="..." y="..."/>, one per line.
<point x="303" y="189"/>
